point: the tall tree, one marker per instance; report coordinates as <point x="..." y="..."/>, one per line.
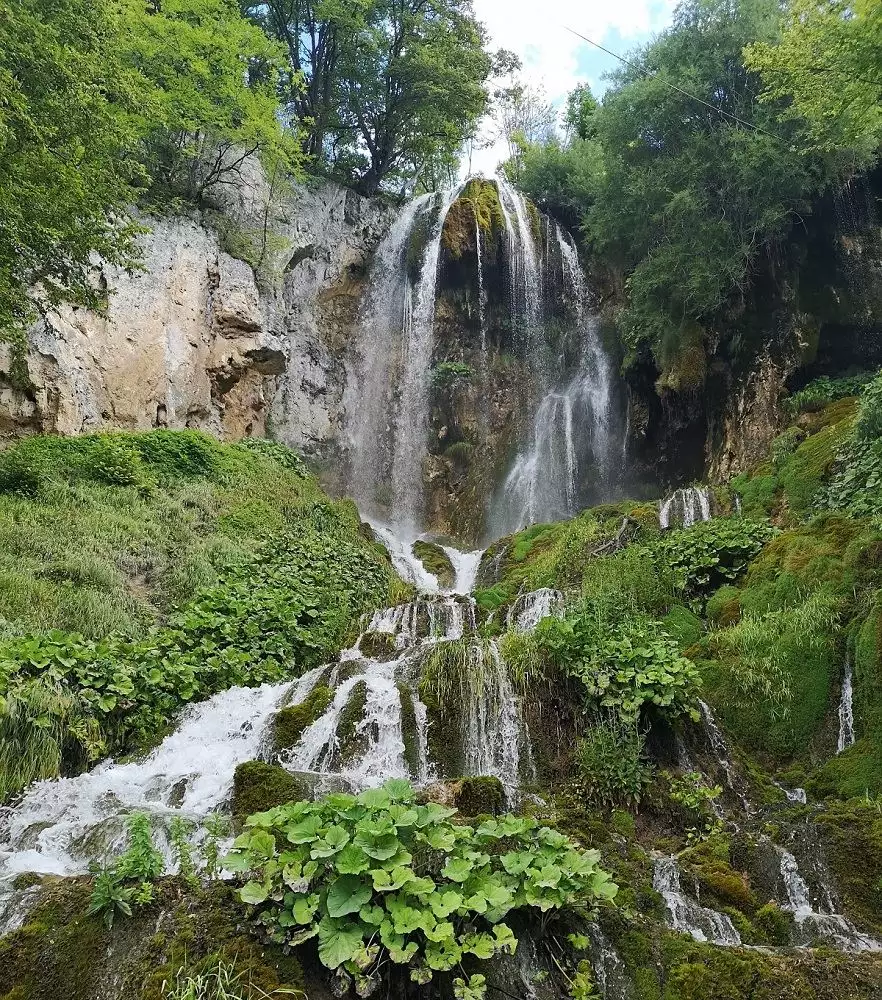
<point x="829" y="62"/>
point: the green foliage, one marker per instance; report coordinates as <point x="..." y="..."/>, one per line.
<point x="821" y="391"/>
<point x="448" y="374"/>
<point x="221" y="981"/>
<point x="396" y="93"/>
<point x="625" y="666"/>
<point x="278" y="597"/>
<point x="130" y="881"/>
<point x="377" y="878"/>
<point x="96" y="102"/>
<point x="712" y="552"/>
<point x="856" y="485"/>
<point x="613" y="768"/>
<point x="692" y="792"/>
<point x="826" y="66"/>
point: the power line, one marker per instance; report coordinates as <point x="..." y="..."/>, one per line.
<point x="673" y="86"/>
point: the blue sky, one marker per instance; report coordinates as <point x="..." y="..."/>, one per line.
<point x="556" y="59"/>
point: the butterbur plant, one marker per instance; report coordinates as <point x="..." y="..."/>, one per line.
<point x="380" y="881"/>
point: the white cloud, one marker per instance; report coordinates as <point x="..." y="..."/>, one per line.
<point x="537" y="33"/>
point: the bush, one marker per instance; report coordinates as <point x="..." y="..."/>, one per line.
<point x="624" y="666"/>
<point x="818" y="393"/>
<point x="711" y="553"/>
<point x="613" y="770"/>
<point x="378" y="879"/>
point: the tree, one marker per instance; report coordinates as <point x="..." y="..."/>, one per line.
<point x="413" y="84"/>
<point x="72" y="112"/>
<point x="829" y="62"/>
<point x="214" y="79"/>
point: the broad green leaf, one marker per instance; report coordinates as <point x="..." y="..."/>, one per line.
<point x="347" y="894"/>
<point x="339" y="941"/>
<point x="253" y="893"/>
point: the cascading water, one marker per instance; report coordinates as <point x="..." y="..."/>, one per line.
<point x="685" y="507"/>
<point x="685" y="914"/>
<point x="819" y="923"/>
<point x="846" y="710"/>
<point x="571" y="440"/>
<point x="524" y="260"/>
<point x="529" y="609"/>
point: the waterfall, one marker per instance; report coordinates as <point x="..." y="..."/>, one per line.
<point x="686" y="915"/>
<point x="529" y="609"/>
<point x="685" y="507"/>
<point x="524" y="263"/>
<point x="846" y="710"/>
<point x="385" y="312"/>
<point x="57" y="825"/>
<point x="411" y="418"/>
<point x="724" y="758"/>
<point x="825" y="924"/>
<point x="570" y="444"/>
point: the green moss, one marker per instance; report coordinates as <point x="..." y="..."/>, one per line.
<point x="480" y="796"/>
<point x="351" y="744"/>
<point x="775" y="924"/>
<point x="436" y="561"/>
<point x="378" y="646"/>
<point x="410" y="731"/>
<point x="683" y="625"/>
<point x="290" y="723"/>
<point x="258" y="786"/>
<point x="724" y="606"/>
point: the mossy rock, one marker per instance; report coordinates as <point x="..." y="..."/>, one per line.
<point x="851" y="834"/>
<point x="63" y="952"/>
<point x="410" y="731"/>
<point x="683" y="625"/>
<point x="724" y="606"/>
<point x="258" y="786"/>
<point x="378" y="646"/>
<point x="480" y="796"/>
<point x="436" y="562"/>
<point x="351" y="743"/>
<point x="290" y="723"/>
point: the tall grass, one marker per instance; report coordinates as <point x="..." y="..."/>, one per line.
<point x="220" y="981"/>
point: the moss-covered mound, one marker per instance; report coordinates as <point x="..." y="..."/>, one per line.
<point x="258" y="786"/>
<point x="436" y="561"/>
<point x="290" y="723"/>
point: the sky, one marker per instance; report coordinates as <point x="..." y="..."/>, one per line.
<point x="555" y="58"/>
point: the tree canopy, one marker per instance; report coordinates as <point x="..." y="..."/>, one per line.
<point x="708" y="146"/>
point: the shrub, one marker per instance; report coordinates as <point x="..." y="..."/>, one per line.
<point x="624" y="666"/>
<point x="824" y="390"/>
<point x="711" y="553"/>
<point x="130" y="881"/>
<point x="378" y="879"/>
<point x="613" y="769"/>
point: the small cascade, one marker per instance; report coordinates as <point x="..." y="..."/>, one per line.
<point x="846" y="710"/>
<point x="529" y="609"/>
<point x="465" y="568"/>
<point x="685" y="507"/>
<point x="685" y="914"/>
<point x="58" y="827"/>
<point x="831" y="927"/>
<point x="496" y="740"/>
<point x="406" y="564"/>
<point x="524" y="262"/>
<point x="610" y="972"/>
<point x="724" y="758"/>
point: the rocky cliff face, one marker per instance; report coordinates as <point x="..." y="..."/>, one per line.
<point x="201" y="339"/>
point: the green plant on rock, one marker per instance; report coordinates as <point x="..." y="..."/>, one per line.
<point x="821" y="391"/>
<point x="448" y="374"/>
<point x="129" y="882"/>
<point x="221" y="981"/>
<point x="622" y="666"/>
<point x="613" y="767"/>
<point x="377" y="878"/>
<point x="711" y="553"/>
<point x="691" y="791"/>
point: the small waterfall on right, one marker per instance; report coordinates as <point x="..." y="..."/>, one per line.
<point x="571" y="444"/>
<point x="846" y="709"/>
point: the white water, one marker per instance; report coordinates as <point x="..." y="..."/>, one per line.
<point x="411" y="417"/>
<point x="368" y="399"/>
<point x="60" y="826"/>
<point x="526" y="277"/>
<point x="529" y="609"/>
<point x="465" y="568"/>
<point x="831" y="927"/>
<point x="685" y="507"/>
<point x="685" y="914"/>
<point x="570" y="442"/>
<point x="846" y="710"/>
<point x="724" y="758"/>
